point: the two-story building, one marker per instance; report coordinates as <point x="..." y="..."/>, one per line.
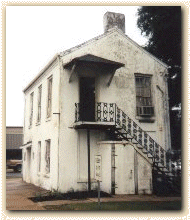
<point x="98" y="111"/>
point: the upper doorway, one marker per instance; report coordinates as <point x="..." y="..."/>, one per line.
<point x="87" y="99"/>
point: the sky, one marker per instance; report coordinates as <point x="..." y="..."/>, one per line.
<point x="34" y="34"/>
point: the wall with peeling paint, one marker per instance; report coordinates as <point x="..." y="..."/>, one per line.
<point x="46" y="129"/>
<point x="125" y="169"/>
<point x="69" y="146"/>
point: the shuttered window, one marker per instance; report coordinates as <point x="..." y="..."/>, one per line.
<point x="47" y="156"/>
<point x="144" y="105"/>
<point x="39" y="156"/>
<point x="49" y="101"/>
<point x="31" y="108"/>
<point x="39" y="103"/>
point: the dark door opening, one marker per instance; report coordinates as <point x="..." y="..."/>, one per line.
<point x="87" y="99"/>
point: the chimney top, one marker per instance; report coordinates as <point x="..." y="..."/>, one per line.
<point x="112" y="20"/>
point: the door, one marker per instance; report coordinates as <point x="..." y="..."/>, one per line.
<point x="28" y="160"/>
<point x="124" y="169"/>
<point x="87" y="99"/>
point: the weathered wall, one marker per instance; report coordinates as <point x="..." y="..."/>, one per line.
<point x="69" y="157"/>
<point x="73" y="171"/>
<point x="144" y="175"/>
<point x="115" y="46"/>
<point x="104" y="149"/>
<point x="46" y="129"/>
<point x="131" y="175"/>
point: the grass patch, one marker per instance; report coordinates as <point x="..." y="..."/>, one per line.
<point x="118" y="206"/>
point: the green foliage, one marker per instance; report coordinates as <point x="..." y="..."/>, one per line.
<point x="162" y="25"/>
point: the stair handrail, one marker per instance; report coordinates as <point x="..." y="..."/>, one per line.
<point x="110" y="112"/>
<point x="142" y="137"/>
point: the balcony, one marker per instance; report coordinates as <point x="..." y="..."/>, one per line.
<point x="101" y="115"/>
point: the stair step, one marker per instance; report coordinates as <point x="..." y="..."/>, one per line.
<point x="135" y="142"/>
<point x="158" y="164"/>
<point x="139" y="146"/>
<point x="144" y="151"/>
<point x="122" y="133"/>
<point x="118" y="128"/>
<point x="163" y="170"/>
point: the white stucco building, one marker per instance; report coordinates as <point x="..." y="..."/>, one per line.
<point x="98" y="110"/>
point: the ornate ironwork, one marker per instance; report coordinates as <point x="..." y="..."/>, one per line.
<point x="134" y="130"/>
<point x="77" y="118"/>
<point x="109" y="112"/>
<point x="105" y="112"/>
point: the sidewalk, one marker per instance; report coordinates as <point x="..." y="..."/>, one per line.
<point x="18" y="192"/>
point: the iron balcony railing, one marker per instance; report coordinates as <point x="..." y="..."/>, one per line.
<point x="104" y="112"/>
<point x="110" y="112"/>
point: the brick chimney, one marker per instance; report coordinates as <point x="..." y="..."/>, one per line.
<point x="112" y="20"/>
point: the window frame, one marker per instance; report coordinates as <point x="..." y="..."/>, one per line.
<point x="144" y="110"/>
<point x="47" y="156"/>
<point x="49" y="96"/>
<point x="31" y="109"/>
<point x="39" y="105"/>
<point x="39" y="156"/>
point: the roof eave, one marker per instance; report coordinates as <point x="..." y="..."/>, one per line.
<point x="40" y="73"/>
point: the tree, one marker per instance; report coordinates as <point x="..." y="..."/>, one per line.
<point x="162" y="25"/>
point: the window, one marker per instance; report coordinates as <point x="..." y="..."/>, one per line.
<point x="31" y="108"/>
<point x="47" y="156"/>
<point x="144" y="105"/>
<point x="39" y="156"/>
<point x="49" y="101"/>
<point x="39" y="103"/>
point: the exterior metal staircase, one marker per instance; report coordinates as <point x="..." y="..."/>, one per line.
<point x="165" y="179"/>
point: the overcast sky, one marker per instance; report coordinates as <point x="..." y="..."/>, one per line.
<point x="34" y="34"/>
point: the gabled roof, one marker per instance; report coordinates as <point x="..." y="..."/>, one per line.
<point x="110" y="31"/>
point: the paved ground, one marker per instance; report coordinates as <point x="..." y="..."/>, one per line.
<point x="18" y="192"/>
<point x="11" y="174"/>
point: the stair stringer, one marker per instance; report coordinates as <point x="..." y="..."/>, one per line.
<point x="139" y="151"/>
<point x="158" y="160"/>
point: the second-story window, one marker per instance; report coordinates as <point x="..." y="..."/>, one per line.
<point x="31" y="108"/>
<point x="49" y="101"/>
<point x="39" y="103"/>
<point x="144" y="106"/>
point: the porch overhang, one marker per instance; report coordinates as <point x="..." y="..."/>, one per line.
<point x="104" y="64"/>
<point x="26" y="145"/>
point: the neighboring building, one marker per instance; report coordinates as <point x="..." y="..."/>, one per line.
<point x="98" y="111"/>
<point x="14" y="140"/>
